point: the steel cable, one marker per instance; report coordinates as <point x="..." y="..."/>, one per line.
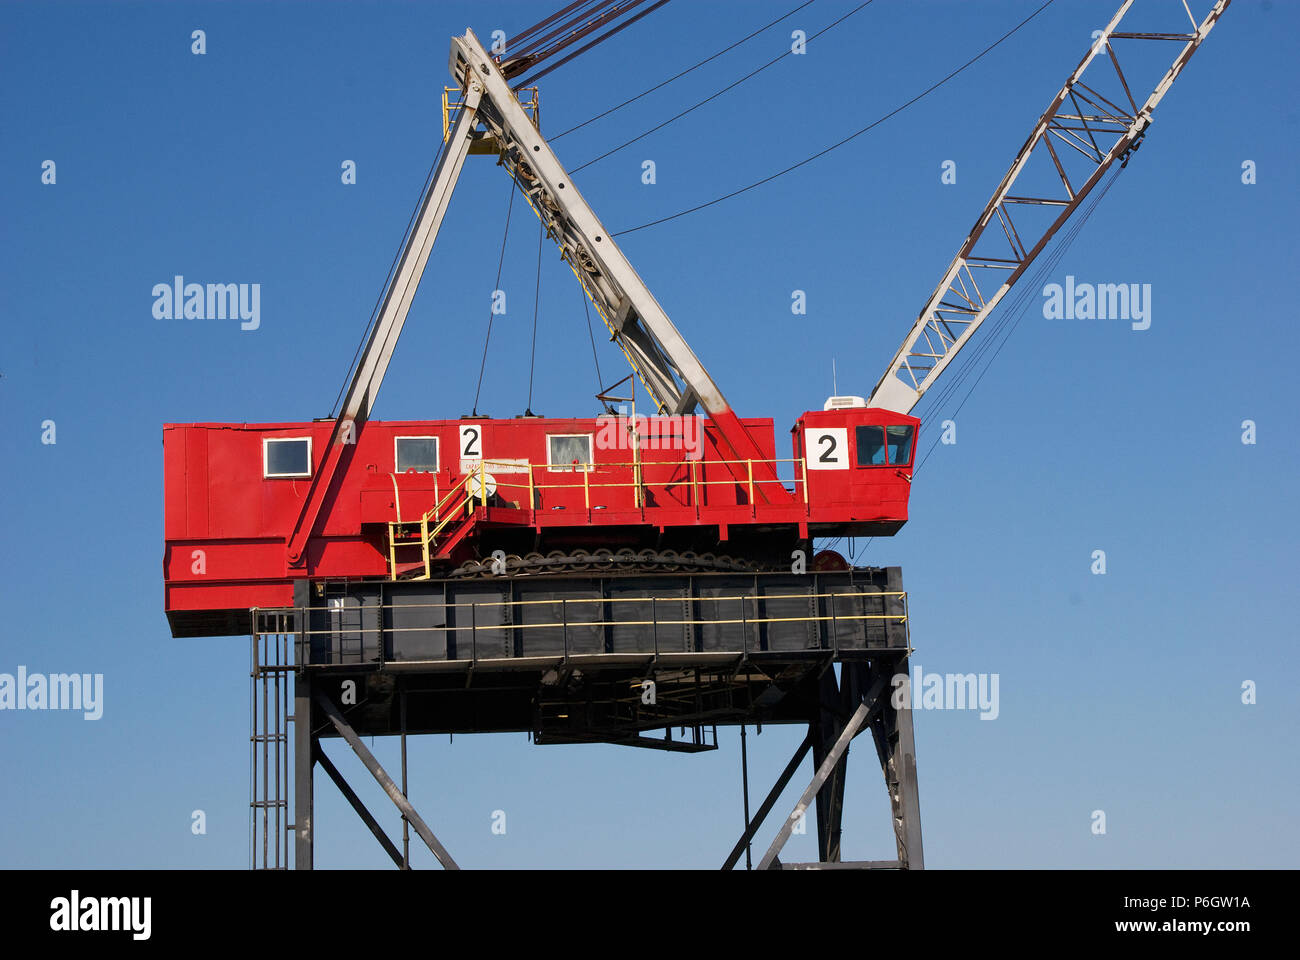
<point x="840" y="143"/>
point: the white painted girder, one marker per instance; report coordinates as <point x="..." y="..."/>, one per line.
<point x="937" y="336"/>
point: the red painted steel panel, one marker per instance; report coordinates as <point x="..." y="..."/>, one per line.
<point x="217" y="501"/>
<point x="197" y="499"/>
<point x="174" y="486"/>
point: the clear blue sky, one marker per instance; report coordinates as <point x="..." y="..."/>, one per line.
<point x="1118" y="692"/>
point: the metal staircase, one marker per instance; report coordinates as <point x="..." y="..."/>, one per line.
<point x="438" y="531"/>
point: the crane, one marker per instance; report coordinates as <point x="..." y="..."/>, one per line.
<point x="376" y="499"/>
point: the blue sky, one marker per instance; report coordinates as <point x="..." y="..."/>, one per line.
<point x="1119" y="692"/>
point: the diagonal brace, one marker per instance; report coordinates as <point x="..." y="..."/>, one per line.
<point x="351" y="796"/>
<point x="347" y="733"/>
<point x="773" y="795"/>
<point x="851" y="728"/>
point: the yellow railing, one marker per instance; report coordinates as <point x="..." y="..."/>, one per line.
<point x="461" y="497"/>
<point x="694" y="482"/>
<point x="528" y="99"/>
<point x="441" y="514"/>
<point x="508" y="620"/>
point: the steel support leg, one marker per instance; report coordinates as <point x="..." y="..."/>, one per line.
<point x="304" y="736"/>
<point x="891" y="728"/>
<point x="835" y="706"/>
<point x="304" y="759"/>
<point x="910" y="854"/>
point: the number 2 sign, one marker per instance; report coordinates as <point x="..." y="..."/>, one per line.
<point x="471" y="443"/>
<point x="827" y="448"/>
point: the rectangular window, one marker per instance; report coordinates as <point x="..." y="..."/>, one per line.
<point x="416" y="453"/>
<point x="881" y="446"/>
<point x="900" y="445"/>
<point x="871" y="446"/>
<point x="286" y="457"/>
<point x="564" y="450"/>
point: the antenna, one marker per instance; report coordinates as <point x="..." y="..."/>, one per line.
<point x="835" y="387"/>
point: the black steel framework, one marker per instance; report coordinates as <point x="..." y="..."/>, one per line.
<point x="835" y="687"/>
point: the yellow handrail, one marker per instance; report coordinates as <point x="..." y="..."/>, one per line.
<point x="513" y="622"/>
<point x="447" y="507"/>
<point x="693" y="479"/>
<point x="436" y="511"/>
<point x="528" y="99"/>
<point x="397" y="498"/>
<point x="427" y="534"/>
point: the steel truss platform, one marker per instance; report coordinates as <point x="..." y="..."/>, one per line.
<point x="599" y="659"/>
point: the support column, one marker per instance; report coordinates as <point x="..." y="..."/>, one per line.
<point x="838" y="701"/>
<point x="896" y="748"/>
<point x="304" y="739"/>
<point x="910" y="853"/>
<point x="304" y="762"/>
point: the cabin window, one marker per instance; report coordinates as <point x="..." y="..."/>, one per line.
<point x="562" y="450"/>
<point x="286" y="457"/>
<point x="416" y="453"/>
<point x="871" y="446"/>
<point x="881" y="446"/>
<point x="899" y="440"/>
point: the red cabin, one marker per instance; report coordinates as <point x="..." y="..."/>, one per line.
<point x="417" y="499"/>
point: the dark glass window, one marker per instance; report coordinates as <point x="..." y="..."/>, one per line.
<point x="871" y="446"/>
<point x="900" y="444"/>
<point x="417" y="453"/>
<point x="287" y="458"/>
<point x="879" y="446"/>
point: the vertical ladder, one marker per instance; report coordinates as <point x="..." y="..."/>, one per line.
<point x="269" y="783"/>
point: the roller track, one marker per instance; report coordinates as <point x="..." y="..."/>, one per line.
<point x="603" y="561"/>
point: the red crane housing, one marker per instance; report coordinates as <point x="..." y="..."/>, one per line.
<point x="422" y="498"/>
